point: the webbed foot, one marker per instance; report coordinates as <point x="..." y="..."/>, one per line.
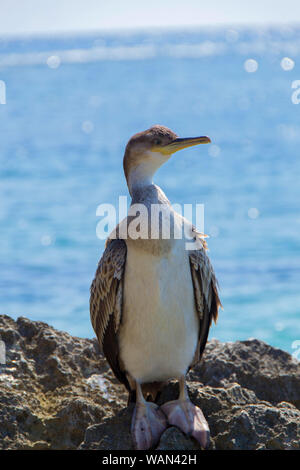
<point x="189" y="418"/>
<point x="148" y="424"/>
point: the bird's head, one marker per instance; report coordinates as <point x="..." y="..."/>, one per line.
<point x="148" y="150"/>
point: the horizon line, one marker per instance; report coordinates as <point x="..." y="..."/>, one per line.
<point x="147" y="29"/>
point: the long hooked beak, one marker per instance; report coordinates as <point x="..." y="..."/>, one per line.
<point x="182" y="143"/>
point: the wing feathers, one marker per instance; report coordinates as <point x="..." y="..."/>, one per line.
<point x="206" y="294"/>
<point x="106" y="303"/>
<point x="107" y="289"/>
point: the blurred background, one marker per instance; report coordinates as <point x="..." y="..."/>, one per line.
<point x="81" y="77"/>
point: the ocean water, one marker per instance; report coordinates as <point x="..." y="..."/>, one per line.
<point x="71" y="105"/>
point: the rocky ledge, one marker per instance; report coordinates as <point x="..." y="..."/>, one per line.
<point x="57" y="392"/>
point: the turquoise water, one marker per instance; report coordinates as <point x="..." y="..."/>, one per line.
<point x="71" y="105"/>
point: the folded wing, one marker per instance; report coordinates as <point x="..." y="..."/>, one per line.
<point x="106" y="298"/>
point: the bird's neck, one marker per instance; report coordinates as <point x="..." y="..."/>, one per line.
<point x="141" y="176"/>
<point x="148" y="195"/>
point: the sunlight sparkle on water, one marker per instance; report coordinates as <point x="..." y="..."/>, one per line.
<point x="53" y="62"/>
<point x="250" y="65"/>
<point x="253" y="213"/>
<point x="287" y="64"/>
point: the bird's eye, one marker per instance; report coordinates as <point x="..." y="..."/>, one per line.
<point x="157" y="141"/>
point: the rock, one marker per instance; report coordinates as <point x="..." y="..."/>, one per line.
<point x="174" y="439"/>
<point x="112" y="434"/>
<point x="272" y="373"/>
<point x="57" y="392"/>
<point x="47" y="399"/>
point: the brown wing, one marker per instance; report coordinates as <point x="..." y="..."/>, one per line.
<point x="106" y="296"/>
<point x="207" y="300"/>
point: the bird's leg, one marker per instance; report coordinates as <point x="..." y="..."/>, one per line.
<point x="148" y="422"/>
<point x="186" y="416"/>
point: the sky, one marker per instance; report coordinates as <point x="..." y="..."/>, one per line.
<point x="66" y="16"/>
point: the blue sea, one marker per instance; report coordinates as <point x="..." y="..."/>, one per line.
<point x="72" y="103"/>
